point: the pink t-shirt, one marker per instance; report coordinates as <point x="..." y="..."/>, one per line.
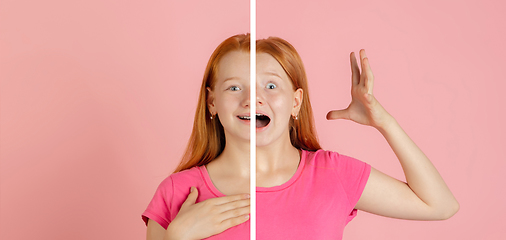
<point x="316" y="203"/>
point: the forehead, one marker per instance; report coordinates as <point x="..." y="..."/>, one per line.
<point x="268" y="65"/>
<point x="234" y="64"/>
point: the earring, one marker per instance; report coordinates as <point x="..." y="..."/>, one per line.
<point x="212" y="117"/>
<point x="296" y="117"/>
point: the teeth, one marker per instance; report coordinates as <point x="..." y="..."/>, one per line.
<point x="249" y="118"/>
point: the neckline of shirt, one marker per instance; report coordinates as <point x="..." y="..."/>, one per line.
<point x="207" y="179"/>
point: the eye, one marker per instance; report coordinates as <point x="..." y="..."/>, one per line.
<point x="271" y="85"/>
<point x="234" y="88"/>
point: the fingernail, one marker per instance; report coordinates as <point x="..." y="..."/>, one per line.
<point x="248" y="196"/>
<point x="247" y="216"/>
<point x="191" y="189"/>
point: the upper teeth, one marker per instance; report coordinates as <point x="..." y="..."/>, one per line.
<point x="249" y="118"/>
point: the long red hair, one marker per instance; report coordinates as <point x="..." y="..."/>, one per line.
<point x="207" y="139"/>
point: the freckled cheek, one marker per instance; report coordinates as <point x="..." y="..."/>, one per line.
<point x="227" y="103"/>
<point x="280" y="105"/>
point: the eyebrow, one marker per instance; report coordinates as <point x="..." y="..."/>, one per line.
<point x="231" y="78"/>
<point x="273" y="74"/>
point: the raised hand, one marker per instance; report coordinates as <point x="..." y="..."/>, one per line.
<point x="364" y="108"/>
<point x="425" y="195"/>
<point x="209" y="217"/>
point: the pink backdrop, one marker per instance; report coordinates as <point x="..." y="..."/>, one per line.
<point x="438" y="69"/>
<point x="97" y="103"/>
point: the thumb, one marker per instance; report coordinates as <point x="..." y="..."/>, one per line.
<point x="192" y="197"/>
<point x="338" y="114"/>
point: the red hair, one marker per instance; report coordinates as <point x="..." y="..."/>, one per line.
<point x="207" y="139"/>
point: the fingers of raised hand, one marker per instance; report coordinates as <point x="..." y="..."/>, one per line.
<point x="355" y="71"/>
<point x="366" y="77"/>
<point x="338" y="114"/>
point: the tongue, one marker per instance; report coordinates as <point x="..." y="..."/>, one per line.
<point x="262" y="123"/>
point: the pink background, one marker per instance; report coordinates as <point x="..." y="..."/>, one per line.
<point x="97" y="103"/>
<point x="438" y="68"/>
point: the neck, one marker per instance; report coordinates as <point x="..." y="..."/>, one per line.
<point x="269" y="159"/>
<point x="236" y="157"/>
<point x="275" y="157"/>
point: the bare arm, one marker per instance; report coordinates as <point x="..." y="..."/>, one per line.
<point x="425" y="196"/>
<point x="155" y="231"/>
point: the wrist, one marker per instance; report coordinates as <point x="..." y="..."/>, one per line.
<point x="172" y="234"/>
<point x="388" y="123"/>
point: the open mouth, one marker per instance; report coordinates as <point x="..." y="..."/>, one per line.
<point x="261" y="120"/>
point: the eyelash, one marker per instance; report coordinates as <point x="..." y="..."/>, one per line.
<point x="232" y="88"/>
<point x="271" y="84"/>
<point x="237" y="88"/>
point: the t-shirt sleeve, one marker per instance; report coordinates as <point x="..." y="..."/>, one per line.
<point x="353" y="174"/>
<point x="159" y="207"/>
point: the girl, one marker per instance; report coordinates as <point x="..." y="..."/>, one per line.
<point x="303" y="192"/>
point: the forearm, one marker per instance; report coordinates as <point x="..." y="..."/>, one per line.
<point x="156" y="232"/>
<point x="421" y="175"/>
<point x="173" y="233"/>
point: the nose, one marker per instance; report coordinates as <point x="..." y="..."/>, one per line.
<point x="259" y="98"/>
<point x="245" y="102"/>
<point x="260" y="94"/>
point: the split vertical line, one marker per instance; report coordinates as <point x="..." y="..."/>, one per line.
<point x="252" y="143"/>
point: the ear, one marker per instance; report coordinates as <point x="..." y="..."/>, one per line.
<point x="297" y="101"/>
<point x="210" y="101"/>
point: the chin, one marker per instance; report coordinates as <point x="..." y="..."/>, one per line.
<point x="262" y="142"/>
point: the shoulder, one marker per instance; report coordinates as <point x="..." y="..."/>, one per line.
<point x="323" y="155"/>
<point x="176" y="187"/>
<point x="329" y="159"/>
<point x="191" y="174"/>
<point x="180" y="180"/>
<point x="170" y="195"/>
<point x="184" y="179"/>
<point x="351" y="174"/>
